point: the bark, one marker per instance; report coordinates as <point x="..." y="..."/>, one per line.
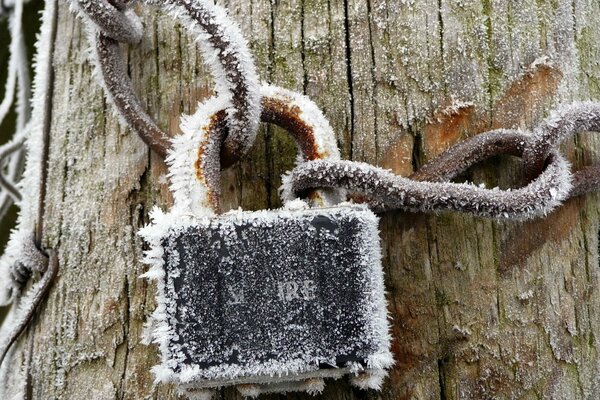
<point x="480" y="308"/>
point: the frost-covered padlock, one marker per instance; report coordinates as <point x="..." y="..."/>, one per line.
<point x="269" y="301"/>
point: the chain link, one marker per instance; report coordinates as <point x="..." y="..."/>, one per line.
<point x="560" y="125"/>
<point x="544" y="192"/>
<point x="122" y="25"/>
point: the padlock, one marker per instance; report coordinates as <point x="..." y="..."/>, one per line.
<point x="268" y="301"/>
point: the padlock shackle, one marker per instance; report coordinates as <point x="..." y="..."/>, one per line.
<point x="199" y="147"/>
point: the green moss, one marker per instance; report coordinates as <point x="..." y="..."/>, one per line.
<point x="495" y="74"/>
<point x="589" y="53"/>
<point x="441" y="298"/>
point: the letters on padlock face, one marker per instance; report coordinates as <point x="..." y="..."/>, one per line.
<point x="273" y="295"/>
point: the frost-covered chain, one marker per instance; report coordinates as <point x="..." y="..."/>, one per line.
<point x="538" y="198"/>
<point x="114" y="20"/>
<point x="428" y="189"/>
<point x="561" y="124"/>
<point x="6" y="151"/>
<point x="467" y="153"/>
<point x="225" y="51"/>
<point x="296" y="113"/>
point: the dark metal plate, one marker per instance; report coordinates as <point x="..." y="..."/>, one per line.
<point x="291" y="288"/>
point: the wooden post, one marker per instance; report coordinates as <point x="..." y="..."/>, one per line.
<point x="481" y="309"/>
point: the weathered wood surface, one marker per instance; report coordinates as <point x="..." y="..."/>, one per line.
<point x="480" y="309"/>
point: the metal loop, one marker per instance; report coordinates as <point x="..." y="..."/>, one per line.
<point x="586" y="181"/>
<point x="230" y="63"/>
<point x="121" y="25"/>
<point x="467" y="153"/>
<point x="562" y="123"/>
<point x="203" y="135"/>
<point x="120" y="90"/>
<point x="538" y="198"/>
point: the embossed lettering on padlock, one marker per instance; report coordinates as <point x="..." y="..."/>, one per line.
<point x="266" y="300"/>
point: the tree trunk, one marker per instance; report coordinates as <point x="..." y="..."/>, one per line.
<point x="480" y="308"/>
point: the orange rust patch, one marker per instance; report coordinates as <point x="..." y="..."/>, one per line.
<point x="216" y="122"/>
<point x="449" y="128"/>
<point x="522" y="104"/>
<point x="524" y="239"/>
<point x="526" y="97"/>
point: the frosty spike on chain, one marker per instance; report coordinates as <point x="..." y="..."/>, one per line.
<point x="269" y="300"/>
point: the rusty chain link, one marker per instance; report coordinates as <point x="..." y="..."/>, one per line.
<point x="429" y="189"/>
<point x="225" y="49"/>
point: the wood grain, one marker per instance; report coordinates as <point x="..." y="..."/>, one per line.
<point x="480" y="309"/>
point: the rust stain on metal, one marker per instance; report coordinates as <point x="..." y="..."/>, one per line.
<point x="217" y="122"/>
<point x="289" y="118"/>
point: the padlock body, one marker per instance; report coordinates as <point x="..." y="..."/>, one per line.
<point x="259" y="297"/>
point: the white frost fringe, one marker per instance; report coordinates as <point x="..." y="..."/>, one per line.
<point x="17" y="247"/>
<point x="30" y="184"/>
<point x="238" y="45"/>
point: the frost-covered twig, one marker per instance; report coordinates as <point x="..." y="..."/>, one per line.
<point x="541" y="196"/>
<point x="27" y="306"/>
<point x="6" y="151"/>
<point x="17" y="253"/>
<point x="17" y="85"/>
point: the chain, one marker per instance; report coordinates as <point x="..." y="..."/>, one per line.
<point x="225" y="50"/>
<point x="429" y="190"/>
<point x="561" y="124"/>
